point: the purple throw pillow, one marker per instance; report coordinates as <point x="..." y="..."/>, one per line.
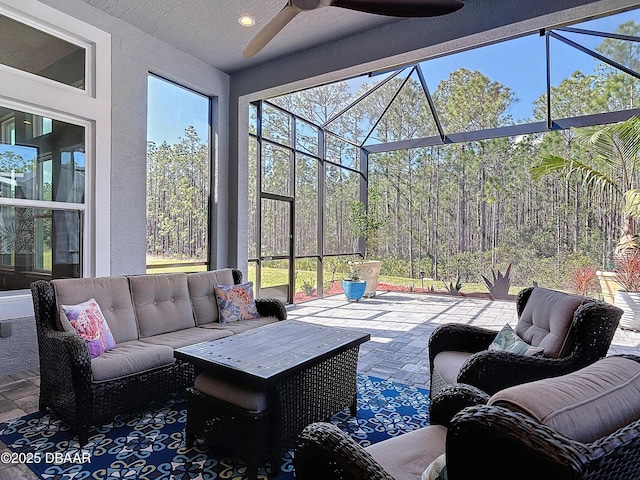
<point x="87" y="320"/>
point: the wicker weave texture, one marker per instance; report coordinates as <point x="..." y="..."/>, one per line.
<point x="594" y="324"/>
<point x="324" y="452"/>
<point x="482" y="442"/>
<point x="66" y="382"/>
<point x="246" y="433"/>
<point x="314" y="395"/>
<point x="310" y="395"/>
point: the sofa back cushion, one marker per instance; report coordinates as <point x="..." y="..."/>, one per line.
<point x="547" y="319"/>
<point x="203" y="297"/>
<point x="584" y="405"/>
<point x="161" y="303"/>
<point x="112" y="295"/>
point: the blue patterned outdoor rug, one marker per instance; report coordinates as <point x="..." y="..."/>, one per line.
<point x="149" y="443"/>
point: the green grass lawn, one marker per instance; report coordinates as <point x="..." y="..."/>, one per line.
<point x="278" y="276"/>
<point x="186" y="268"/>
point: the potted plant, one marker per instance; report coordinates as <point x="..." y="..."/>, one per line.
<point x="627" y="274"/>
<point x="613" y="169"/>
<point x="365" y="226"/>
<point x="354" y="286"/>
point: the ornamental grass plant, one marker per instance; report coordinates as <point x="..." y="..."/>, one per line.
<point x="627" y="270"/>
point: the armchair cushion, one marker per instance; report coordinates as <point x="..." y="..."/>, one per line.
<point x="447" y="365"/>
<point x="406" y="456"/>
<point x="584" y="405"/>
<point x="546" y="321"/>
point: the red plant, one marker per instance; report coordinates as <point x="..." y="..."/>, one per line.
<point x="582" y="280"/>
<point x="627" y="271"/>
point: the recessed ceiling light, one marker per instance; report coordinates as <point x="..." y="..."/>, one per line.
<point x="246" y="21"/>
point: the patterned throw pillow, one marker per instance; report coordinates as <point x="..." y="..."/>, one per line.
<point x="437" y="470"/>
<point x="86" y="320"/>
<point x="235" y="302"/>
<point x="507" y="340"/>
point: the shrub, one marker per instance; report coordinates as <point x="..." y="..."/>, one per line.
<point x="499" y="288"/>
<point x="453" y="289"/>
<point x="582" y="280"/>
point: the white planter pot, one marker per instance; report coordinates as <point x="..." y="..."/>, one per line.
<point x="370" y="271"/>
<point x="629" y="302"/>
<point x="608" y="285"/>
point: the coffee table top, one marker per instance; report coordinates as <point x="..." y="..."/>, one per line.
<point x="264" y="355"/>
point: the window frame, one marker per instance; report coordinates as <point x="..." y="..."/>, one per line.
<point x="89" y="108"/>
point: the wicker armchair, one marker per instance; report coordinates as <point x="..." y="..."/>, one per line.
<point x="493" y="441"/>
<point x="323" y="451"/>
<point x="66" y="379"/>
<point x="458" y="353"/>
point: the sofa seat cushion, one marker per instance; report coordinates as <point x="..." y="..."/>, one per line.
<point x="161" y="303"/>
<point x="584" y="405"/>
<point x="186" y="337"/>
<point x="130" y="358"/>
<point x="112" y="295"/>
<point x="448" y="363"/>
<point x="406" y="456"/>
<point x="241" y="325"/>
<point x="546" y="321"/>
<point x="248" y="399"/>
<point x="203" y="298"/>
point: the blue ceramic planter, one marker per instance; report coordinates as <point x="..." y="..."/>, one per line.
<point x="354" y="290"/>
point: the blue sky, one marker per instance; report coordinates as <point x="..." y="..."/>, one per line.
<point x="171" y="109"/>
<point x="518" y="64"/>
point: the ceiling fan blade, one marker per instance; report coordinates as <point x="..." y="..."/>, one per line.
<point x="270" y="30"/>
<point x="401" y="8"/>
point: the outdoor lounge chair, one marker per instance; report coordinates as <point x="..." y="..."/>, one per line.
<point x="584" y="425"/>
<point x="572" y="330"/>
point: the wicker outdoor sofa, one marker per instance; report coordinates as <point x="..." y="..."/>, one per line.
<point x="149" y="316"/>
<point x="583" y="425"/>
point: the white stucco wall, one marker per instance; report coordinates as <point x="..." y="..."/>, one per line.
<point x="134" y="55"/>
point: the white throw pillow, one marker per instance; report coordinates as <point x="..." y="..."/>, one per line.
<point x="508" y="341"/>
<point x="437" y="470"/>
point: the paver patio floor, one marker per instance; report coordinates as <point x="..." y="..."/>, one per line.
<point x="399" y="323"/>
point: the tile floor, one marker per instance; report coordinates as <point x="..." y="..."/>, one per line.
<point x="399" y="324"/>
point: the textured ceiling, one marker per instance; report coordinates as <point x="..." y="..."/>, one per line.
<point x="209" y="29"/>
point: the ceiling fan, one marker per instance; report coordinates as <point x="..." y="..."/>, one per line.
<point x="394" y="8"/>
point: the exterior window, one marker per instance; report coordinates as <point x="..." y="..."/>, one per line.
<point x="178" y="178"/>
<point x="42" y="190"/>
<point x="34" y="51"/>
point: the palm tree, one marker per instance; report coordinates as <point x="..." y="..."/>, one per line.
<point x="614" y="168"/>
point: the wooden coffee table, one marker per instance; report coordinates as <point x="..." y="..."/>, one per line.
<point x="308" y="372"/>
